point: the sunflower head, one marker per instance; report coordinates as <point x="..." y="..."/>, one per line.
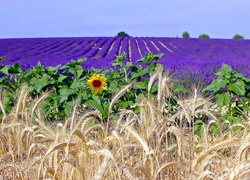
<point x="96" y="83"/>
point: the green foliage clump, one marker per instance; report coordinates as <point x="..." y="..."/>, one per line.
<point x="64" y="87"/>
<point x="232" y="92"/>
<point x="67" y="85"/>
<point x="185" y="34"/>
<point x="237" y="36"/>
<point x="204" y="36"/>
<point x="122" y="34"/>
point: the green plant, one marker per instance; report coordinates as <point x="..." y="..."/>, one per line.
<point x="67" y="85"/>
<point x="185" y="34"/>
<point x="237" y="36"/>
<point x="122" y="34"/>
<point x="231" y="91"/>
<point x="204" y="36"/>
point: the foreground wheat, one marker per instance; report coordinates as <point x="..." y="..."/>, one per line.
<point x="153" y="144"/>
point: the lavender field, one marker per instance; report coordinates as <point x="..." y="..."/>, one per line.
<point x="182" y="56"/>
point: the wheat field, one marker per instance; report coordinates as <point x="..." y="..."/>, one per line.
<point x="152" y="144"/>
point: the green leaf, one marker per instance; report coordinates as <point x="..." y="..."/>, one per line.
<point x="79" y="71"/>
<point x="95" y="103"/>
<point x="119" y="61"/>
<point x="154" y="88"/>
<point x="225" y="70"/>
<point x="140" y="85"/>
<point x="64" y="94"/>
<point x="197" y="126"/>
<point x="148" y="69"/>
<point x="116" y="63"/>
<point x="240" y="76"/>
<point x="16" y="68"/>
<point x="73" y="71"/>
<point x="124" y="104"/>
<point x="53" y="69"/>
<point x="8" y="100"/>
<point x="198" y="122"/>
<point x="222" y="99"/>
<point x="180" y="89"/>
<point x="46" y="108"/>
<point x="77" y="85"/>
<point x="85" y="95"/>
<point x="39" y="65"/>
<point x="104" y="110"/>
<point x="149" y="58"/>
<point x="70" y="64"/>
<point x="5" y="70"/>
<point x="81" y="60"/>
<point x="115" y="75"/>
<point x="136" y="109"/>
<point x="136" y="71"/>
<point x="128" y="64"/>
<point x="61" y="78"/>
<point x="141" y="60"/>
<point x="39" y="83"/>
<point x="67" y="108"/>
<point x="29" y="74"/>
<point x="237" y="88"/>
<point x="216" y="84"/>
<point x="112" y="87"/>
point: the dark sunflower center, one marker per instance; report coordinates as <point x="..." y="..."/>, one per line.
<point x="96" y="83"/>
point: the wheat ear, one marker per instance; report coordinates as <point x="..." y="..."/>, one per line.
<point x="139" y="138"/>
<point x="206" y="174"/>
<point x="213" y="148"/>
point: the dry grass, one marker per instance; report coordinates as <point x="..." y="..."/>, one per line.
<point x="150" y="145"/>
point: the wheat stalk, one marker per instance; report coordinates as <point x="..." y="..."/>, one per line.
<point x="206" y="174"/>
<point x="217" y="146"/>
<point x="101" y="170"/>
<point x="52" y="149"/>
<point x="115" y="98"/>
<point x="38" y="102"/>
<point x="139" y="138"/>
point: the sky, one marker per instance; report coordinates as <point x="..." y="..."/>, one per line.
<point x="138" y="18"/>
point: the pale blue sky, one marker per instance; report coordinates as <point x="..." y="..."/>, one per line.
<point x="139" y="18"/>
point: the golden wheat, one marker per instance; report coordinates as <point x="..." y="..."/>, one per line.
<point x="152" y="144"/>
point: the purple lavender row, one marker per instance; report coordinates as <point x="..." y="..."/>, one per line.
<point x="106" y="61"/>
<point x="99" y="60"/>
<point x="113" y="52"/>
<point x="202" y="71"/>
<point x="142" y="46"/>
<point x="102" y="53"/>
<point x="134" y="51"/>
<point x="153" y="49"/>
<point x="80" y="53"/>
<point x="124" y="48"/>
<point x="75" y="50"/>
<point x="25" y="49"/>
<point x="98" y="45"/>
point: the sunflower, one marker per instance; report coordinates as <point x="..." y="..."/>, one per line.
<point x="96" y="83"/>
